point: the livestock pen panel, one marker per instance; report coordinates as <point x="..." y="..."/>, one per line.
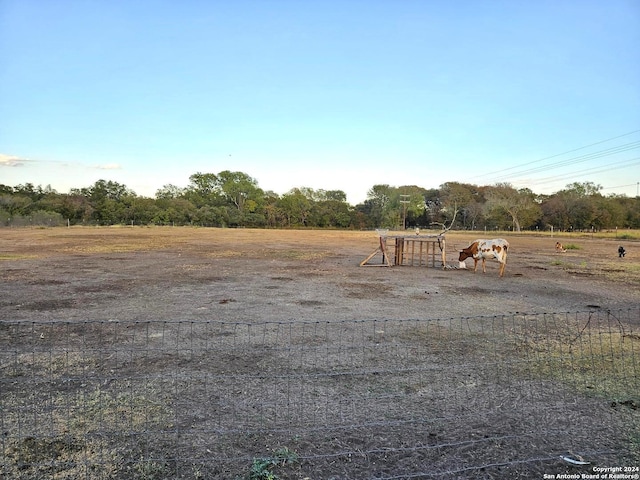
<point x="512" y="396"/>
<point x="420" y="251"/>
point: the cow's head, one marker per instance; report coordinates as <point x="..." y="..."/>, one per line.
<point x="464" y="254"/>
<point x="468" y="252"/>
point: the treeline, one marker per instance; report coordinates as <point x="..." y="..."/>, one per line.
<point x="234" y="199"/>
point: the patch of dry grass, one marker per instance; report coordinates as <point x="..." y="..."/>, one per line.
<point x="64" y="422"/>
<point x="16" y="256"/>
<point x="613" y="270"/>
<point x="270" y="253"/>
<point x="622" y="272"/>
<point x="599" y="360"/>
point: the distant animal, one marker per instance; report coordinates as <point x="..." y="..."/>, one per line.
<point x="486" y="249"/>
<point x="560" y="247"/>
<point x="621" y="251"/>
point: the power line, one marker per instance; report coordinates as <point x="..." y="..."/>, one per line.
<point x="621" y="186"/>
<point x="571" y="161"/>
<point x="559" y="154"/>
<point x="600" y="168"/>
<point x="588" y="171"/>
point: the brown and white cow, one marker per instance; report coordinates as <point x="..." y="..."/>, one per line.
<point x="486" y="249"/>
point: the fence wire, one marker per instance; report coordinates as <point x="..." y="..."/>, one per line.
<point x="482" y="397"/>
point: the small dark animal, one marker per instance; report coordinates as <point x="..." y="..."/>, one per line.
<point x="621" y="251"/>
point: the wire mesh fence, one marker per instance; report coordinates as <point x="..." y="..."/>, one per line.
<point x="483" y="397"/>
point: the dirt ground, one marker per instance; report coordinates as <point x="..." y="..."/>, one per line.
<point x="262" y="275"/>
<point x="413" y="375"/>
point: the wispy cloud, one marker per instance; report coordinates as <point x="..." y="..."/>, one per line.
<point x="7" y="160"/>
<point x="12" y="161"/>
<point x="109" y="166"/>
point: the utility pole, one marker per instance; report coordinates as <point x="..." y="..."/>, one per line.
<point x="404" y="200"/>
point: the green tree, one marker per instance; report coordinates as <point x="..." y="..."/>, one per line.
<point x="239" y="189"/>
<point x="330" y="213"/>
<point x="243" y="196"/>
<point x="212" y="216"/>
<point x="632" y="208"/>
<point x="379" y="207"/>
<point x="520" y="205"/>
<point x="174" y="211"/>
<point x="455" y="197"/>
<point x="169" y="191"/>
<point x="555" y="213"/>
<point x="203" y="190"/>
<point x="105" y="198"/>
<point x="296" y="207"/>
<point x="273" y="215"/>
<point x="334" y="195"/>
<point x="585" y="189"/>
<point x="578" y="204"/>
<point x="327" y="208"/>
<point x="139" y="210"/>
<point x="15" y="204"/>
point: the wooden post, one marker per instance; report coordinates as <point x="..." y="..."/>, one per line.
<point x="399" y="251"/>
<point x="433" y="254"/>
<point x="382" y="248"/>
<point x="413" y="250"/>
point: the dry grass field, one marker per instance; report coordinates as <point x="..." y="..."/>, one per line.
<point x="184" y="273"/>
<point x="299" y="363"/>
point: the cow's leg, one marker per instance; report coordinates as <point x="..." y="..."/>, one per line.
<point x="502" y="265"/>
<point x="475" y="264"/>
<point x="484" y="265"/>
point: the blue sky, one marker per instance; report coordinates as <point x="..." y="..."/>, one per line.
<point x="334" y="95"/>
